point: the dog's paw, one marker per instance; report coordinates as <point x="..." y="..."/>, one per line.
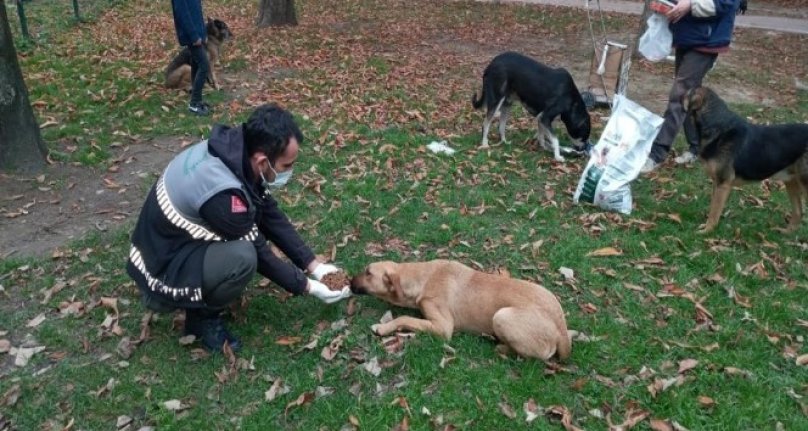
<point x="560" y="159"/>
<point x="376" y="328"/>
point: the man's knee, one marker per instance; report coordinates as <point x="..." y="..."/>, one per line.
<point x="244" y="258"/>
<point x="229" y="268"/>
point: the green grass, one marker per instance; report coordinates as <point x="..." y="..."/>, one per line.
<point x="383" y="196"/>
<point x="638" y="329"/>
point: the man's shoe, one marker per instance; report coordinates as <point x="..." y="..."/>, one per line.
<point x="686" y="158"/>
<point x="211" y="332"/>
<point x="649" y="166"/>
<point x="200" y="108"/>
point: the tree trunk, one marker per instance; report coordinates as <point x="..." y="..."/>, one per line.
<point x="277" y="12"/>
<point x="21" y="145"/>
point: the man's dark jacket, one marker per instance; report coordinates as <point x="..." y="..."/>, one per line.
<point x="168" y="247"/>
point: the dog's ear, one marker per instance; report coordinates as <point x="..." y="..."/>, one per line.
<point x="392" y="281"/>
<point x="694" y="99"/>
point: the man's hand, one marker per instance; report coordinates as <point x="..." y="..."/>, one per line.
<point x="322" y="269"/>
<point x="323" y="293"/>
<point x="679" y="11"/>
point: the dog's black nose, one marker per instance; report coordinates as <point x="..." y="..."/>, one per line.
<point x="584" y="149"/>
<point x="356" y="289"/>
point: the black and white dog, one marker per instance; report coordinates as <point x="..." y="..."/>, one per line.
<point x="545" y="92"/>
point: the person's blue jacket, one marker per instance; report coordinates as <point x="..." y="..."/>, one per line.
<point x="189" y="21"/>
<point x="708" y="25"/>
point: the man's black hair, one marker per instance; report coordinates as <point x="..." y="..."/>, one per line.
<point x="269" y="130"/>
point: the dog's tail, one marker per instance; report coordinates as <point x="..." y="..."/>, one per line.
<point x="486" y="93"/>
<point x="176" y="69"/>
<point x="477" y="103"/>
<point x="564" y="347"/>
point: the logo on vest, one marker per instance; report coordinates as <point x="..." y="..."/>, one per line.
<point x="237" y="205"/>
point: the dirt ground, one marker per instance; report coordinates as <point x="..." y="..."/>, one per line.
<point x="41" y="213"/>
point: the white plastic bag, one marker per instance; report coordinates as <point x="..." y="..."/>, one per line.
<point x="618" y="156"/>
<point x="655" y="43"/>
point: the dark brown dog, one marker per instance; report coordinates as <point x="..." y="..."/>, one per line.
<point x="178" y="72"/>
<point x="524" y="316"/>
<point x="734" y="152"/>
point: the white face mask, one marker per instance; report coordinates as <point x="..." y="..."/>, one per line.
<point x="280" y="180"/>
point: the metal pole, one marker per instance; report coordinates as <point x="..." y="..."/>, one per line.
<point x="23" y="19"/>
<point x="76" y="10"/>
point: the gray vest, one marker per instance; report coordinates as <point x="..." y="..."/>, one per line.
<point x="193" y="177"/>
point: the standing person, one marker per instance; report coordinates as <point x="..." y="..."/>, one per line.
<point x="701" y="30"/>
<point x="202" y="232"/>
<point x="189" y="23"/>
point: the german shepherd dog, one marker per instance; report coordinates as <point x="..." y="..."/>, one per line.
<point x="734" y="151"/>
<point x="545" y="92"/>
<point x="178" y="72"/>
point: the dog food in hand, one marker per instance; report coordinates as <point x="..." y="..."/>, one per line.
<point x="336" y="280"/>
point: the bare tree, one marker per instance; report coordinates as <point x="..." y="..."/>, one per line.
<point x="277" y="12"/>
<point x="21" y="145"/>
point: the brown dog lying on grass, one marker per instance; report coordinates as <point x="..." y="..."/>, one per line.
<point x="524" y="316"/>
<point x="735" y="151"/>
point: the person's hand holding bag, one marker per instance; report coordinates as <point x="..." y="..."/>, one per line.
<point x="655" y="43"/>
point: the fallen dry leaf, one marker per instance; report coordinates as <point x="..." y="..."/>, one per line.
<point x="331" y="350"/>
<point x="801" y="360"/>
<point x="372" y="366"/>
<point x="24" y="354"/>
<point x="277" y="389"/>
<point x="532" y="410"/>
<point x="323" y="391"/>
<point x="737" y="372"/>
<point x="125" y="348"/>
<point x="36" y="321"/>
<point x="633" y="417"/>
<point x="687" y="364"/>
<point x="604" y="252"/>
<point x="404" y="425"/>
<point x="111" y="303"/>
<point x="386" y="317"/>
<point x="565" y="415"/>
<point x="285" y="340"/>
<point x="174" y="405"/>
<point x="304" y="398"/>
<point x="706" y="401"/>
<point x="11" y="396"/>
<point x="187" y="339"/>
<point x="123" y="422"/>
<point x="107" y="388"/>
<point x="507" y="410"/>
<point x="661" y="385"/>
<point x="660" y="425"/>
<point x="5" y="346"/>
<point x="568" y="273"/>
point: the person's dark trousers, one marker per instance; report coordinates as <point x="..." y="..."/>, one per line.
<point x="227" y="269"/>
<point x="199" y="72"/>
<point x="690" y="66"/>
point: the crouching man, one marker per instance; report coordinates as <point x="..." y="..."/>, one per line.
<point x="202" y="232"/>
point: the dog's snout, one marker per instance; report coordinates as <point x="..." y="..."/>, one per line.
<point x="356" y="287"/>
